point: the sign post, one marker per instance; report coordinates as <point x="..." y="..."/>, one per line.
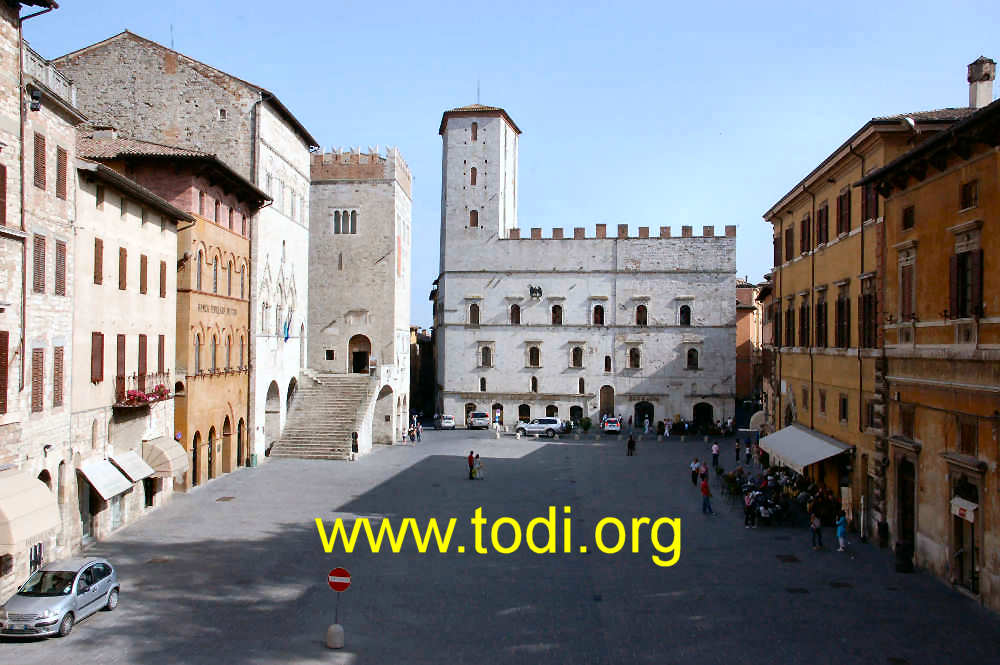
<point x="339" y="580"/>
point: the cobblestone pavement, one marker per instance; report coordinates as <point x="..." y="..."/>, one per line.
<point x="244" y="580"/>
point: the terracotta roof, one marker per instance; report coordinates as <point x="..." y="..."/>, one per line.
<point x="133" y="188"/>
<point x="946" y="115"/>
<point x="477" y="109"/>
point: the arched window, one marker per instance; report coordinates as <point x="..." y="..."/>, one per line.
<point x="197" y="354"/>
<point x="475" y="131"/>
<point x="685" y="315"/>
<point x="482" y="385"/>
<point x="524" y="413"/>
<point x="243" y="272"/>
<point x="534" y="357"/>
<point x="241" y="350"/>
<point x="473" y="314"/>
<point x="534" y="384"/>
<point x="197" y="275"/>
<point x="577" y="356"/>
<point x="634" y="356"/>
<point x="557" y="315"/>
<point x="582" y="391"/>
<point x="277" y="320"/>
<point x="243" y="225"/>
<point x="215" y="275"/>
<point x="472" y="176"/>
<point x="598" y="315"/>
<point x="486" y="357"/>
<point x="515" y="315"/>
<point x="607" y="363"/>
<point x="640" y="315"/>
<point x="336" y="221"/>
<point x="229" y="279"/>
<point x="354" y="221"/>
<point x="692" y="359"/>
<point x="214" y="346"/>
<point x="229" y="352"/>
<point x="473" y="218"/>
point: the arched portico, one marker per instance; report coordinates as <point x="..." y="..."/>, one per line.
<point x="384" y="419"/>
<point x="272" y="416"/>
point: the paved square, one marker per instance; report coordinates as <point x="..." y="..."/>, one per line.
<point x="244" y="580"/>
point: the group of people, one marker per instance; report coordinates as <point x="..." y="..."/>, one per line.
<point x="699" y="472"/>
<point x="475" y="466"/>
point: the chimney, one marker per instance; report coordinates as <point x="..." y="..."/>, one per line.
<point x="981" y="75"/>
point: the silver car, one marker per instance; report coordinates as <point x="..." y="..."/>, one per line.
<point x="58" y="595"/>
<point x="547" y="426"/>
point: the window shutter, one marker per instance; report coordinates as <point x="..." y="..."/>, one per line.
<point x="3" y="195"/>
<point x="143" y="261"/>
<point x="161" y="347"/>
<point x="953" y="286"/>
<point x="862" y="321"/>
<point x="4" y="342"/>
<point x="976" y="306"/>
<point x="39" y="161"/>
<point x="122" y="268"/>
<point x="98" y="261"/>
<point x="96" y="357"/>
<point x="38" y="280"/>
<point x="57" y="376"/>
<point x="163" y="279"/>
<point x="143" y="356"/>
<point x="60" y="173"/>
<point x="847" y="323"/>
<point x="906" y="289"/>
<point x="37" y="379"/>
<point x="60" y="268"/>
<point x="120" y="367"/>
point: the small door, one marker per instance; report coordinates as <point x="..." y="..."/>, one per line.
<point x="359" y="362"/>
<point x="86" y="516"/>
<point x="116" y="512"/>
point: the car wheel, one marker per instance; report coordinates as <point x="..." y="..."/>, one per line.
<point x="66" y="625"/>
<point x="520" y="430"/>
<point x="550" y="433"/>
<point x="112" y="600"/>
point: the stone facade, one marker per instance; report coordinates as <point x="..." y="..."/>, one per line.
<point x="573" y="327"/>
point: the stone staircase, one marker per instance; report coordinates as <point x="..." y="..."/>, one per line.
<point x="327" y="408"/>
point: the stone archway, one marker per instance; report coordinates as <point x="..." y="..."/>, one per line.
<point x="642" y="411"/>
<point x="384" y="419"/>
<point x="293" y="389"/>
<point x="211" y="453"/>
<point x="576" y="414"/>
<point x="229" y="461"/>
<point x="496" y="413"/>
<point x="469" y="408"/>
<point x="703" y="415"/>
<point x="195" y="460"/>
<point x="607" y="401"/>
<point x="241" y="444"/>
<point x="272" y="417"/>
<point x="359" y="351"/>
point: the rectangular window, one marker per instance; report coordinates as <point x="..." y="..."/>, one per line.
<point x="869" y="414"/>
<point x="843" y="408"/>
<point x="96" y="357"/>
<point x="39" y="161"/>
<point x="822" y="402"/>
<point x="869" y="202"/>
<point x="57" y="376"/>
<point x="805" y="398"/>
<point x="61" y="169"/>
<point x="777" y="251"/>
<point x="868" y="313"/>
<point x="804" y="320"/>
<point x="161" y="350"/>
<point x="4" y="359"/>
<point x="38" y="273"/>
<point x="909" y="217"/>
<point x="143" y="269"/>
<point x="143" y="357"/>
<point x="122" y="268"/>
<point x="844" y="212"/>
<point x="777" y="325"/>
<point x="821" y="314"/>
<point x="789" y="244"/>
<point x="907" y="417"/>
<point x="843" y="318"/>
<point x="99" y="197"/>
<point x="966" y="292"/>
<point x="969" y="195"/>
<point x="967" y="437"/>
<point x="3" y="195"/>
<point x="822" y="224"/>
<point x="163" y="279"/>
<point x="804" y="235"/>
<point x="60" y="268"/>
<point x="790" y="325"/>
<point x="906" y="304"/>
<point x="120" y="367"/>
<point x="329" y="355"/>
<point x="37" y="380"/>
<point x="98" y="261"/>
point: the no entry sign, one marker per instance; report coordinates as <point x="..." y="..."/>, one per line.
<point x="339" y="579"/>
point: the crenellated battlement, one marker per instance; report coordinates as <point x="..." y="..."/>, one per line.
<point x="601" y="233"/>
<point x="352" y="164"/>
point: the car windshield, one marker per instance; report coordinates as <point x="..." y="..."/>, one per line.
<point x="479" y="415"/>
<point x="48" y="583"/>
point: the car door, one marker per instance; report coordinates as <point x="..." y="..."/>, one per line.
<point x="87" y="593"/>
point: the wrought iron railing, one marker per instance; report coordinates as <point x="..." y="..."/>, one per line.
<point x="142" y="389"/>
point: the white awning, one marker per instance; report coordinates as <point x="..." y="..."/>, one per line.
<point x="797" y="447"/>
<point x="132" y="466"/>
<point x="963" y="508"/>
<point x="28" y="508"/>
<point x="105" y="478"/>
<point x="166" y="456"/>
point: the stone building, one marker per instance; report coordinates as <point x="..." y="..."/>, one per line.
<point x="940" y="300"/>
<point x="824" y="311"/>
<point x="176" y="100"/>
<point x="212" y="292"/>
<point x="359" y="305"/>
<point x="422" y="366"/>
<point x="571" y="326"/>
<point x="125" y="250"/>
<point x="747" y="348"/>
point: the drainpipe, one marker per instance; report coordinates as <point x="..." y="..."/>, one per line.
<point x="24" y="197"/>
<point x="861" y="373"/>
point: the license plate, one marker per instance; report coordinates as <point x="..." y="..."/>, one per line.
<point x="19" y="626"/>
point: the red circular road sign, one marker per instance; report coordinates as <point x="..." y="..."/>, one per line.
<point x="339" y="579"/>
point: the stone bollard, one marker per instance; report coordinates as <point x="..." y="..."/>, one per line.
<point x="335" y="636"/>
<point x="576" y="437"/>
<point x="706" y="439"/>
<point x="536" y="436"/>
<point x="683" y="438"/>
<point x="555" y="436"/>
<point x="498" y="433"/>
<point x="518" y="436"/>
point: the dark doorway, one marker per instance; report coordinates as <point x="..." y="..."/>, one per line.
<point x="703" y="416"/>
<point x="497" y="413"/>
<point x="965" y="548"/>
<point x="607" y="401"/>
<point x="643" y="410"/>
<point x="211" y="453"/>
<point x="576" y="413"/>
<point x="524" y="413"/>
<point x="906" y="486"/>
<point x="360" y="349"/>
<point x="240" y="452"/>
<point x="86" y="511"/>
<point x="469" y="408"/>
<point x="195" y="467"/>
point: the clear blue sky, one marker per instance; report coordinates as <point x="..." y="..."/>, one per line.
<point x="646" y="114"/>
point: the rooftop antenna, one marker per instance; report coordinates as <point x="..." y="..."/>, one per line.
<point x="171" y="36"/>
<point x="477" y="91"/>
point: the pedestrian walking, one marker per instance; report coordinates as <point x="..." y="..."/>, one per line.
<point x="706" y="497"/>
<point x="703" y="471"/>
<point x="749" y="512"/>
<point x="715" y="455"/>
<point x="694" y="471"/>
<point x="842" y="531"/>
<point x="420" y="429"/>
<point x="630" y="423"/>
<point x="645" y="425"/>
<point x="472" y="465"/>
<point x="816" y="527"/>
<point x="747" y="453"/>
<point x="630" y="447"/>
<point x="479" y="468"/>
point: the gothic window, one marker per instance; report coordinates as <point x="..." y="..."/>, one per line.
<point x="515" y="315"/>
<point x="582" y="391"/>
<point x="486" y="357"/>
<point x="692" y="359"/>
<point x="277" y="320"/>
<point x="598" y="315"/>
<point x="685" y="315"/>
<point x="577" y="356"/>
<point x="215" y="275"/>
<point x="336" y="221"/>
<point x="229" y="352"/>
<point x="534" y="384"/>
<point x="640" y="315"/>
<point x="534" y="357"/>
<point x="197" y="354"/>
<point x="354" y="221"/>
<point x="197" y="275"/>
<point x="482" y="385"/>
<point x="473" y="218"/>
<point x="243" y="272"/>
<point x="473" y="314"/>
<point x="634" y="357"/>
<point x="475" y="131"/>
<point x="241" y="350"/>
<point x="557" y="315"/>
<point x="607" y="363"/>
<point x="229" y="279"/>
<point x="472" y="176"/>
<point x="214" y="347"/>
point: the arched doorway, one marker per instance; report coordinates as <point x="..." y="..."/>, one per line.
<point x="703" y="416"/>
<point x="552" y="411"/>
<point x="272" y="416"/>
<point x="241" y="452"/>
<point x="46" y="478"/>
<point x="383" y="421"/>
<point x="469" y="408"/>
<point x="227" y="446"/>
<point x="524" y="413"/>
<point x="496" y="411"/>
<point x="643" y="410"/>
<point x="195" y="461"/>
<point x="359" y="350"/>
<point x="293" y="388"/>
<point x="607" y="401"/>
<point x="211" y="453"/>
<point x="85" y="498"/>
<point x="576" y="413"/>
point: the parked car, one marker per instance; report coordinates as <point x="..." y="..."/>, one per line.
<point x="446" y="422"/>
<point x="58" y="595"/>
<point x="612" y="425"/>
<point x="547" y="426"/>
<point x="478" y="419"/>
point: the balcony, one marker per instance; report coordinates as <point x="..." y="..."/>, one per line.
<point x="44" y="71"/>
<point x="131" y="390"/>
